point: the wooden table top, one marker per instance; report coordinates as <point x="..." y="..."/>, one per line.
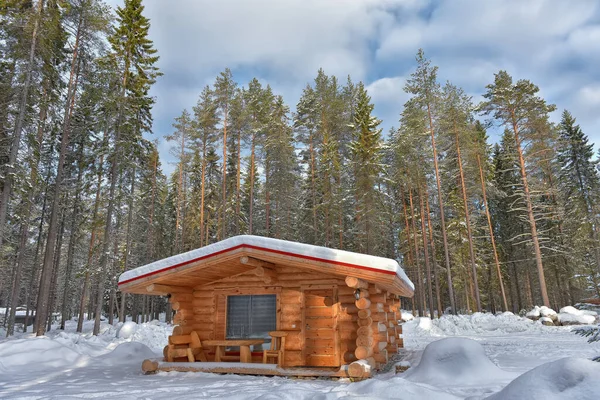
<point x="233" y="342"/>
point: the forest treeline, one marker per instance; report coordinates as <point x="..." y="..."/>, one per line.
<point x="476" y="226"/>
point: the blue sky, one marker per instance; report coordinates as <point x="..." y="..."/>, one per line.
<point x="553" y="43"/>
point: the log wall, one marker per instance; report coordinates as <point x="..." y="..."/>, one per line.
<point x="360" y="329"/>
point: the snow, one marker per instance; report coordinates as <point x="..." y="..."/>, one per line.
<point x="456" y="361"/>
<point x="567" y="378"/>
<point x="487" y="352"/>
<point x="126" y="330"/>
<point x="571" y="316"/>
<point x="276" y="245"/>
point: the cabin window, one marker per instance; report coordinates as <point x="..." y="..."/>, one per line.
<point x="251" y="316"/>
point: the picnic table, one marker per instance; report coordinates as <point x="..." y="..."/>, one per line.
<point x="243" y="344"/>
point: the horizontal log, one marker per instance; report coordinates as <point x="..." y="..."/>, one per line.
<point x="362" y="368"/>
<point x="255" y="262"/>
<point x="180" y="319"/>
<point x="348" y="357"/>
<point x="346" y="291"/>
<point x="293" y="341"/>
<point x="348" y="335"/>
<point x="149" y="366"/>
<point x="356" y="283"/>
<point x="392" y="349"/>
<point x="203" y="302"/>
<point x="203" y="310"/>
<point x="158" y="288"/>
<point x="319" y="323"/>
<point x="366" y="341"/>
<point x="381" y="356"/>
<point x="290" y="296"/>
<point x="365" y="331"/>
<point x="379" y="316"/>
<point x="378" y="298"/>
<point x="363" y="352"/>
<point x="348" y="308"/>
<point x="347" y="326"/>
<point x="363" y="303"/>
<point x="203" y="318"/>
<point x="203" y="293"/>
<point x="400" y="342"/>
<point x="289" y="325"/>
<point x="179" y="305"/>
<point x="182" y="297"/>
<point x="181" y="330"/>
<point x="345" y="317"/>
<point x="292" y="358"/>
<point x="346" y="298"/>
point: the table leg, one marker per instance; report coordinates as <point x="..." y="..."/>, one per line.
<point x="245" y="354"/>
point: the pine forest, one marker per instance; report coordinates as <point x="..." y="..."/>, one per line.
<point x="476" y="225"/>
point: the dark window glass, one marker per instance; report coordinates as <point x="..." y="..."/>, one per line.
<point x="252" y="316"/>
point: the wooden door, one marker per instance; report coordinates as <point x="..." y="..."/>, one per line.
<point x="320" y="330"/>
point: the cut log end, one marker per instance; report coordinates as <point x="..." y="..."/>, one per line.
<point x="361" y="369"/>
<point x="149" y="366"/>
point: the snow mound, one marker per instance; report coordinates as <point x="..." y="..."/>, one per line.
<point x="127" y="353"/>
<point x="126" y="330"/>
<point x="455" y="361"/>
<point x="36" y="353"/>
<point x="406" y="316"/>
<point x="567" y="378"/>
<point x="569" y="315"/>
<point x="543" y="311"/>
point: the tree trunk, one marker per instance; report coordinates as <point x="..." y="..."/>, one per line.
<point x="73" y="238"/>
<point x="202" y="238"/>
<point x="24" y="231"/>
<point x="492" y="236"/>
<point x="16" y="140"/>
<point x="251" y="216"/>
<point x="468" y="221"/>
<point x="433" y="257"/>
<point x="407" y="230"/>
<point x="238" y="183"/>
<point x="421" y="291"/>
<point x="42" y="304"/>
<point x="55" y="269"/>
<point x="223" y="233"/>
<point x="426" y="255"/>
<point x="534" y="234"/>
<point x="442" y="216"/>
<point x="128" y="236"/>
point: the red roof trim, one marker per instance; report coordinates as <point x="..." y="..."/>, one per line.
<point x="249" y="246"/>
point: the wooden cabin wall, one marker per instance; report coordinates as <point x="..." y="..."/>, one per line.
<point x="364" y="329"/>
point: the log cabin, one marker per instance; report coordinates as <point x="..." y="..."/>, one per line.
<point x="263" y="306"/>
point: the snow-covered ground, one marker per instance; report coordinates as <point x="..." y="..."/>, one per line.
<point x="501" y="350"/>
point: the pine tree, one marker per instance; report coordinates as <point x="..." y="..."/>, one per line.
<point x="517" y="106"/>
<point x="205" y="126"/>
<point x="423" y="85"/>
<point x="225" y="89"/>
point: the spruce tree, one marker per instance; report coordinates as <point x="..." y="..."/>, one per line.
<point x="366" y="149"/>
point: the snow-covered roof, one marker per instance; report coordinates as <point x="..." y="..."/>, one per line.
<point x="275" y="246"/>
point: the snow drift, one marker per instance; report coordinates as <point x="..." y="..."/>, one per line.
<point x="455" y="361"/>
<point x="567" y="378"/>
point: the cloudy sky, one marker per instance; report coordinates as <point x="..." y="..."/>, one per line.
<point x="555" y="44"/>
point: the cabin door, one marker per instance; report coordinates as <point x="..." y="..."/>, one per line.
<point x="320" y="331"/>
